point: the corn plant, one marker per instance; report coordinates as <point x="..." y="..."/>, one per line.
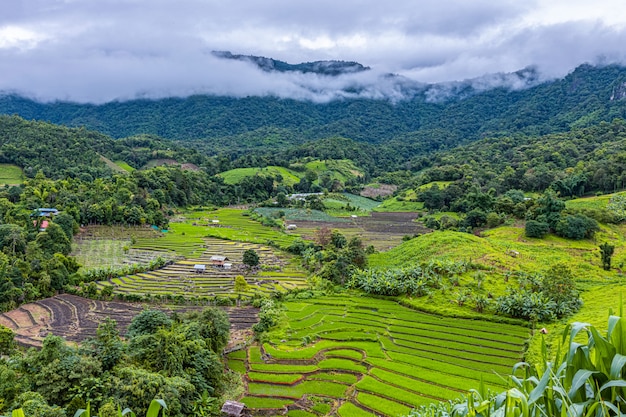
<point x="586" y="380"/>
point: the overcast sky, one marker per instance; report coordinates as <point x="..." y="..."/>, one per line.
<point x="101" y="50"/>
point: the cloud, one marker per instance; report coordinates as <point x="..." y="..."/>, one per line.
<point x="102" y="50"/>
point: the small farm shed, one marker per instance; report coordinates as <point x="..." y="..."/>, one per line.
<point x="218" y="260"/>
<point x="199" y="268"/>
<point x="228" y="265"/>
<point x="45" y="212"/>
<point x="291" y="227"/>
<point x="233" y="409"/>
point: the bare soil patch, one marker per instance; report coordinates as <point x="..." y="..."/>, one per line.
<point x="382" y="230"/>
<point x="383" y="190"/>
<point x="76" y="318"/>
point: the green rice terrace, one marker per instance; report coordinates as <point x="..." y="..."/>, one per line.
<point x="278" y="273"/>
<point x="357" y="356"/>
<point x="193" y="238"/>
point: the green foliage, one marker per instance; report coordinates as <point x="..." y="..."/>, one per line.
<point x="606" y="251"/>
<point x="268" y="316"/>
<point x="148" y="322"/>
<point x="577" y="227"/>
<point x="416" y="280"/>
<point x="7" y="342"/>
<point x="250" y="258"/>
<point x="542" y="297"/>
<point x="240" y="284"/>
<point x="586" y="379"/>
<point x="536" y="229"/>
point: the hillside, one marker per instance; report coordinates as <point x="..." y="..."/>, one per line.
<point x="424" y="123"/>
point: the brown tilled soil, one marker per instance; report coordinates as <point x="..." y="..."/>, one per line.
<point x="76" y="318"/>
<point x="383" y="230"/>
<point x="382" y="190"/>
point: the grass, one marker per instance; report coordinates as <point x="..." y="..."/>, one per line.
<point x="235" y="176"/>
<point x="274" y="378"/>
<point x="334" y="376"/>
<point x="595" y="202"/>
<point x="237" y="366"/>
<point x="11" y="174"/>
<point x="346" y="204"/>
<point x="372" y="385"/>
<point x="440" y="184"/>
<point x="338" y="169"/>
<point x="124" y="166"/>
<point x="342" y="364"/>
<point x="599" y="289"/>
<point x="405" y="202"/>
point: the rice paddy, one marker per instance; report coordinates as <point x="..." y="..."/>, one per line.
<point x="368" y="357"/>
<point x="278" y="273"/>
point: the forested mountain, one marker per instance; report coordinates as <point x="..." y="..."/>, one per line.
<point x="331" y="68"/>
<point x="434" y="118"/>
<point x="61" y="152"/>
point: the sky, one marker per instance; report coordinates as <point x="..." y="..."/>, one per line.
<point x="102" y="50"/>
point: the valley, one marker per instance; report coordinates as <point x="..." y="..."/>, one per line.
<point x="350" y="258"/>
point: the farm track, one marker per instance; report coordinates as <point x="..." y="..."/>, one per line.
<point x="76" y="318"/>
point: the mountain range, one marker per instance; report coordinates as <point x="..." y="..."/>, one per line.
<point x="462" y="113"/>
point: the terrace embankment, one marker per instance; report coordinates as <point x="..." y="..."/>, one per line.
<point x="76" y="318"/>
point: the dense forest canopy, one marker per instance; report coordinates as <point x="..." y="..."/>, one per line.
<point x="224" y="124"/>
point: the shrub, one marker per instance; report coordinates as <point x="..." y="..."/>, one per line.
<point x="536" y="229"/>
<point x="577" y="227"/>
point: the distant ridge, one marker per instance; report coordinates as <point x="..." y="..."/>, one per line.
<point x="330" y="68"/>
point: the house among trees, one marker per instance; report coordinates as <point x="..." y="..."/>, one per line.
<point x="219" y="261"/>
<point x="45" y="212"/>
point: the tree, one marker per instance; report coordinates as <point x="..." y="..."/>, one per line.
<point x="147" y="322"/>
<point x="67" y="223"/>
<point x="607" y="252"/>
<point x="7" y="344"/>
<point x="576" y="226"/>
<point x="338" y="240"/>
<point x="322" y="236"/>
<point x="250" y="258"/>
<point x="240" y="284"/>
<point x="54" y="240"/>
<point x="536" y="229"/>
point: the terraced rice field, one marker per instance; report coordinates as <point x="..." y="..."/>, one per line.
<point x="350" y="356"/>
<point x="76" y="318"/>
<point x="279" y="273"/>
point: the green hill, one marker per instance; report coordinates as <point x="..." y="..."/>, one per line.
<point x="418" y="125"/>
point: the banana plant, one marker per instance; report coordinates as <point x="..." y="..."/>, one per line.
<point x="153" y="410"/>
